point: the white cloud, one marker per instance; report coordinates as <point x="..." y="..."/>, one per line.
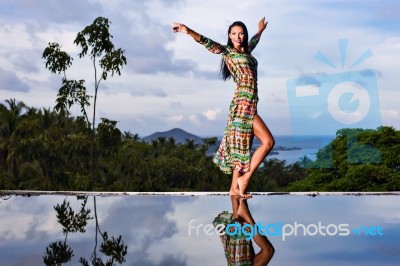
<point x="156" y="92"/>
<point x="390" y="115"/>
<point x="211" y="114"/>
<point x="175" y="118"/>
<point x="165" y="68"/>
<point x="194" y="119"/>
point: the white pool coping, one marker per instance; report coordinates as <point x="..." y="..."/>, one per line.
<point x="29" y="193"/>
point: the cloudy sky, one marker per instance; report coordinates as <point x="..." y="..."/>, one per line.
<point x="170" y="230"/>
<point x="171" y="81"/>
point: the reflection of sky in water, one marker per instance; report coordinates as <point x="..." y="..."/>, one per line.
<point x="156" y="230"/>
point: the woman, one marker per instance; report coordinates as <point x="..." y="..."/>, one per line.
<point x="237" y="247"/>
<point x="233" y="156"/>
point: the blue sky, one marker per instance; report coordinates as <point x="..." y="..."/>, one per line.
<point x="171" y="81"/>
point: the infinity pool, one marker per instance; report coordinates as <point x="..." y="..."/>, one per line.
<point x="159" y="229"/>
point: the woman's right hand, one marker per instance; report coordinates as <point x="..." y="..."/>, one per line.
<point x="179" y="27"/>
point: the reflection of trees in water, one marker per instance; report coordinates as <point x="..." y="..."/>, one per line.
<point x="5" y="197"/>
<point x="60" y="252"/>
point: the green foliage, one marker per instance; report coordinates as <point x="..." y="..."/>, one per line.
<point x="71" y="221"/>
<point x="356" y="160"/>
<point x="72" y="92"/>
<point x="98" y="38"/>
<point x="42" y="149"/>
<point x="9" y="119"/>
<point x="30" y="174"/>
<point x="47" y="150"/>
<point x="57" y="61"/>
<point x="113" y="248"/>
<point x="108" y="136"/>
<point x="6" y="181"/>
<point x="274" y="174"/>
<point x="94" y="39"/>
<point x="59" y="252"/>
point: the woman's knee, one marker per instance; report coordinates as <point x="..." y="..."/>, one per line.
<point x="263" y="134"/>
<point x="268" y="143"/>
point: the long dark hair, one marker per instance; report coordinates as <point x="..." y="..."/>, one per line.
<point x="224" y="71"/>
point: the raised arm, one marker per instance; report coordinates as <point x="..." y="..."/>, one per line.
<point x="179" y="27"/>
<point x="262" y="25"/>
<point x="211" y="45"/>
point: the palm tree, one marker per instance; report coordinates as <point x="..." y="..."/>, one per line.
<point x="161" y="140"/>
<point x="31" y="111"/>
<point x="190" y="143"/>
<point x="304" y="161"/>
<point x="9" y="119"/>
<point x="129" y="135"/>
<point x="171" y="141"/>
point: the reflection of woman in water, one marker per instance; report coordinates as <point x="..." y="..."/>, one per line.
<point x="233" y="155"/>
<point x="238" y="250"/>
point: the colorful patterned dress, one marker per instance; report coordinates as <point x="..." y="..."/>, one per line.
<point x="234" y="150"/>
<point x="238" y="250"/>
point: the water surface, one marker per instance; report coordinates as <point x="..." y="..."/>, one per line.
<point x="169" y="229"/>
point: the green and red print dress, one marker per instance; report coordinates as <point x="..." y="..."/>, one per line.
<point x="234" y="151"/>
<point x="238" y="249"/>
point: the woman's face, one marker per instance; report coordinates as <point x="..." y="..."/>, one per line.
<point x="237" y="36"/>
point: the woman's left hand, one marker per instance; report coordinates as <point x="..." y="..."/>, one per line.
<point x="262" y="25"/>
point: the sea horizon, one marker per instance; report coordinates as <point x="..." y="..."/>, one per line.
<point x="308" y="146"/>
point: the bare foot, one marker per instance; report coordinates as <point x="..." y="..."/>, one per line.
<point x="236" y="192"/>
<point x="247" y="195"/>
<point x="243" y="182"/>
<point x="243" y="210"/>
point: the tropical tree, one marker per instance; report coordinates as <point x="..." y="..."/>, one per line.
<point x="72" y="221"/>
<point x="356" y="160"/>
<point x="95" y="41"/>
<point x="10" y="116"/>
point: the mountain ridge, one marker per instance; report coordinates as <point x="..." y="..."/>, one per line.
<point x="180" y="136"/>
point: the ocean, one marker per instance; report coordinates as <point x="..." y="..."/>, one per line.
<point x="309" y="146"/>
<point x="295" y="147"/>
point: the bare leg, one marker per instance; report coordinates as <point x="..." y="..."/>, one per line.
<point x="262" y="132"/>
<point x="267" y="249"/>
<point x="234" y="185"/>
<point x="235" y="205"/>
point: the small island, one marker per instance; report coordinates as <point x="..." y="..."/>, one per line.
<point x="283" y="148"/>
<point x="276" y="149"/>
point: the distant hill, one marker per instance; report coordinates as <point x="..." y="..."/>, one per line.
<point x="178" y="134"/>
